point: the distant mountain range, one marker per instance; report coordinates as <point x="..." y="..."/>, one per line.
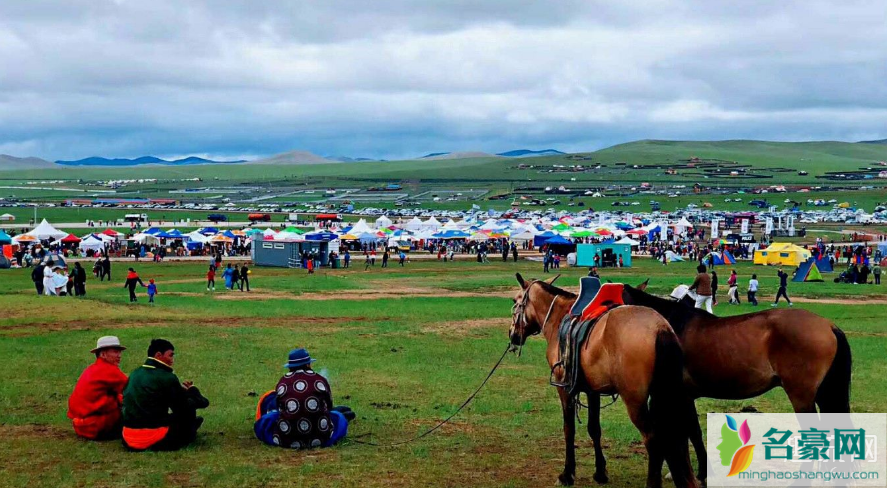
<point x="99" y="161"/>
<point x="527" y="153"/>
<point x="879" y="141"/>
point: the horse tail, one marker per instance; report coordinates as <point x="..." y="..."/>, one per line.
<point x="833" y="395"/>
<point x="670" y="406"/>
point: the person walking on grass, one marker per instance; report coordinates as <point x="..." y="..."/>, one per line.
<point x="385" y="259"/>
<point x="132" y="279"/>
<point x="106" y="268"/>
<point x="753" y="290"/>
<point x="347" y="258"/>
<point x="876" y="271"/>
<point x="235" y="278"/>
<point x="244" y="277"/>
<point x="402" y="257"/>
<point x="702" y="286"/>
<point x="783" y="284"/>
<point x="714" y="287"/>
<point x="514" y="251"/>
<point x="152" y="290"/>
<point x="211" y="278"/>
<point x="733" y="288"/>
<point x="79" y="280"/>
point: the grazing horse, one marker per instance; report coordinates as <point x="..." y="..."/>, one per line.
<point x="743" y="356"/>
<point x="632" y="352"/>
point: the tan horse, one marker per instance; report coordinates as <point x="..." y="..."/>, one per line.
<point x="632" y="352"/>
<point x="744" y="356"/>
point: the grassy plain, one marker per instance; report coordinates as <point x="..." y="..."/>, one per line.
<point x="402" y="346"/>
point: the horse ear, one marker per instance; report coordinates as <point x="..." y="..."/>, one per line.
<point x="643" y="286"/>
<point x="520" y="279"/>
<point x="551" y="282"/>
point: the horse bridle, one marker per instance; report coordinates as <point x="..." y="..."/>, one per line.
<point x="519" y="310"/>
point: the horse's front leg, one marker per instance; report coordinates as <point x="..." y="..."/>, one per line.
<point x="594" y="431"/>
<point x="569" y="409"/>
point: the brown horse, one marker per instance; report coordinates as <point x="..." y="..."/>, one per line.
<point x="632" y="352"/>
<point x="744" y="356"/>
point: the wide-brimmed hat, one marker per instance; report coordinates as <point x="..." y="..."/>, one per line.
<point x="107" y="342"/>
<point x="298" y="357"/>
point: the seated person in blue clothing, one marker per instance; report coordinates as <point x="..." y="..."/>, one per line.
<point x="299" y="413"/>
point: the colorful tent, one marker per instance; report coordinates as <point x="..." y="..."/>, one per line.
<point x="824" y="264"/>
<point x="807" y="272"/>
<point x="721" y="258"/>
<point x="4" y="238"/>
<point x="70" y="239"/>
<point x="782" y="253"/>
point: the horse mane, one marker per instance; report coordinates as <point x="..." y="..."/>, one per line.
<point x="676" y="313"/>
<point x="553" y="290"/>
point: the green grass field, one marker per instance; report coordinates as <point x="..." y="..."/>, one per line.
<point x="403" y="347"/>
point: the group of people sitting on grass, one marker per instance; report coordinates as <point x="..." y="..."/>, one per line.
<point x="151" y="409"/>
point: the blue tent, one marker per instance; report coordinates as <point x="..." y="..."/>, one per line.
<point x="4" y="238"/>
<point x="170" y="234"/>
<point x="321" y="236"/>
<point x="539" y="239"/>
<point x="230" y="234"/>
<point x="368" y="237"/>
<point x="558" y="240"/>
<point x="824" y="265"/>
<point x="154" y="231"/>
<point x="209" y="231"/>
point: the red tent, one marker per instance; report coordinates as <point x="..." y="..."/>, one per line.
<point x="110" y="232"/>
<point x="70" y="239"/>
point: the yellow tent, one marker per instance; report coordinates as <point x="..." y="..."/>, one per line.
<point x="782" y="253"/>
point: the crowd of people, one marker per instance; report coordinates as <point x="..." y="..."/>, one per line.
<point x="705" y="287"/>
<point x="152" y="409"/>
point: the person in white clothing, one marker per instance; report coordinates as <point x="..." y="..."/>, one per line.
<point x="753" y="289"/>
<point x="48" y="285"/>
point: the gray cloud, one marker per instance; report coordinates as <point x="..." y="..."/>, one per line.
<point x="393" y="78"/>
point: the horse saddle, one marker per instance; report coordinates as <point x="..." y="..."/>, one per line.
<point x="593" y="302"/>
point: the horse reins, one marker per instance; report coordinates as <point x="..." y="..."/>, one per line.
<point x="441" y="423"/>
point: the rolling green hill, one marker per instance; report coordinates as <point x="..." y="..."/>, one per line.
<point x="759" y="163"/>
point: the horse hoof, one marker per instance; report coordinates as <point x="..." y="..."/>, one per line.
<point x="565" y="479"/>
<point x="601" y="477"/>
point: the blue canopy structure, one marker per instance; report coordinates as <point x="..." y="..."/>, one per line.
<point x="451" y="234"/>
<point x="154" y="231"/>
<point x="321" y="236"/>
<point x="558" y="240"/>
<point x="230" y="234"/>
<point x="209" y="231"/>
<point x="539" y="239"/>
<point x="4" y="238"/>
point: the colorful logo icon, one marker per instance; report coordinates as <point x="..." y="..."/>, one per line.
<point x="734" y="448"/>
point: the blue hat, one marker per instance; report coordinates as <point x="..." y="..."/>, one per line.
<point x="298" y="357"/>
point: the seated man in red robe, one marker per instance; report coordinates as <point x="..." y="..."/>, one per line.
<point x="94" y="406"/>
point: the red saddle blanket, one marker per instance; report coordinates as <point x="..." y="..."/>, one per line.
<point x="609" y="296"/>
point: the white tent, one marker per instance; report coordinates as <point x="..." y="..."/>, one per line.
<point x="7" y="217"/>
<point x="682" y="226"/>
<point x="490" y="224"/>
<point x="92" y="243"/>
<point x="414" y="224"/>
<point x="451" y="225"/>
<point x="432" y="224"/>
<point x="523" y="236"/>
<point x="269" y="232"/>
<point x="46" y="231"/>
<point x="672" y="257"/>
<point x="359" y="228"/>
<point x="192" y="237"/>
<point x="382" y="221"/>
<point x="629" y="241"/>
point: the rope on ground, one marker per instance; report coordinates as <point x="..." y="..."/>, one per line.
<point x="441" y="423"/>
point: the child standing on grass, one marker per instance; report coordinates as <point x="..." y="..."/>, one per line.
<point x="152" y="290"/>
<point x="211" y="279"/>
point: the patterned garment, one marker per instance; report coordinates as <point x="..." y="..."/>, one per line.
<point x="304" y="400"/>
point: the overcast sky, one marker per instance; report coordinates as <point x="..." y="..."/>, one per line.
<point x="394" y="78"/>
